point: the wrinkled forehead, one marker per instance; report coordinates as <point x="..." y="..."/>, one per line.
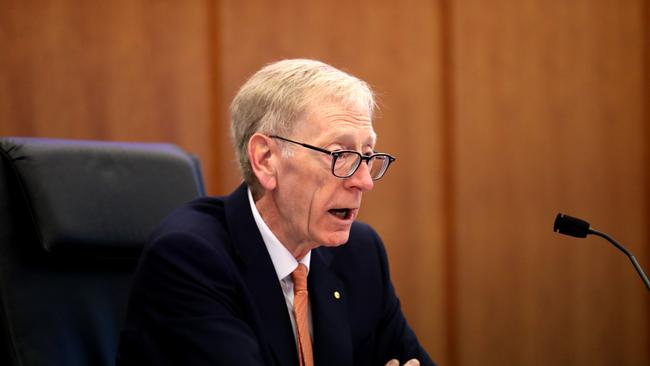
<point x="336" y="121"/>
<point x="357" y="102"/>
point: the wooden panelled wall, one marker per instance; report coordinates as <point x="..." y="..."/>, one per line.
<point x="501" y="113"/>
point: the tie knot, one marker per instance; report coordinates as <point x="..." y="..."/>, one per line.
<point x="299" y="277"/>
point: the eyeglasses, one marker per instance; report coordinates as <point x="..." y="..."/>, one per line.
<point x="346" y="162"/>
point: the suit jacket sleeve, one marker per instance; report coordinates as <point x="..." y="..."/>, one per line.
<point x="394" y="337"/>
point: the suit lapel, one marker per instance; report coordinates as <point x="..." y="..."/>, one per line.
<point x="261" y="279"/>
<point x="332" y="342"/>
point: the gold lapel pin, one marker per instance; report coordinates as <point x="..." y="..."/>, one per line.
<point x="337" y="295"/>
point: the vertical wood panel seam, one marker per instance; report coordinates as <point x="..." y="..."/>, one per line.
<point x="646" y="158"/>
<point x="448" y="180"/>
<point x="215" y="102"/>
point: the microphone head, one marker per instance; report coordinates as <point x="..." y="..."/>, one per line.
<point x="568" y="225"/>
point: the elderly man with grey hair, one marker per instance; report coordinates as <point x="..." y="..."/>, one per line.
<point x="279" y="272"/>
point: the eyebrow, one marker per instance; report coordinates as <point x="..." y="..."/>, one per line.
<point x="346" y="138"/>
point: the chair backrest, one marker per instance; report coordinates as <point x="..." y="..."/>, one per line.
<point x="74" y="216"/>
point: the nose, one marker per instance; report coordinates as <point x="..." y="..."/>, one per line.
<point x="361" y="179"/>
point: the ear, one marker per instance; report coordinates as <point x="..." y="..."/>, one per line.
<point x="262" y="154"/>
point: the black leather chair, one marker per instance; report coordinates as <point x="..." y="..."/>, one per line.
<point x="74" y="216"/>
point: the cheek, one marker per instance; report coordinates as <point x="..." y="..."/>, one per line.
<point x="307" y="190"/>
<point x="303" y="195"/>
<point x="322" y="199"/>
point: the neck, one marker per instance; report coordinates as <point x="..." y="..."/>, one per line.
<point x="278" y="225"/>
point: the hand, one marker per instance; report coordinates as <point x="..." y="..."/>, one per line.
<point x="411" y="362"/>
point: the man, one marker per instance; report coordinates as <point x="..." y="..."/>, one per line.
<point x="222" y="281"/>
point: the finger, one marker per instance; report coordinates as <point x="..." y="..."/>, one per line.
<point x="412" y="362"/>
<point x="392" y="362"/>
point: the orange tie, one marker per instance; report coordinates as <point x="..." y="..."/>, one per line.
<point x="301" y="310"/>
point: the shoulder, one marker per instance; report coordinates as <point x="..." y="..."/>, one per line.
<point x="363" y="241"/>
<point x="364" y="251"/>
<point x="363" y="232"/>
<point x="193" y="242"/>
<point x="199" y="216"/>
<point x="195" y="232"/>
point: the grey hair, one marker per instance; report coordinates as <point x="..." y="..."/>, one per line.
<point x="278" y="95"/>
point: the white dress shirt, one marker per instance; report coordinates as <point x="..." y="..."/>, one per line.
<point x="283" y="262"/>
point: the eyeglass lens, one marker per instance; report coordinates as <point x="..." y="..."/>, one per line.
<point x="348" y="162"/>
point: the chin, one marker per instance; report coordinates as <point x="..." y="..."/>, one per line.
<point x="336" y="239"/>
<point x="336" y="244"/>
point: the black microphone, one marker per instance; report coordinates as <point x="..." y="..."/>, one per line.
<point x="573" y="226"/>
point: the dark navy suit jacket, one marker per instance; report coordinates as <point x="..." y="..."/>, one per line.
<point x="206" y="293"/>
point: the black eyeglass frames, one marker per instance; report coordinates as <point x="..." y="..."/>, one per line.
<point x="346" y="162"/>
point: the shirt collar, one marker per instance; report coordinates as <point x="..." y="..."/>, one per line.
<point x="283" y="261"/>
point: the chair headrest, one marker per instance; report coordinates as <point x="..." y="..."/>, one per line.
<point x="100" y="197"/>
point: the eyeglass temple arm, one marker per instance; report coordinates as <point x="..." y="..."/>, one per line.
<point x="302" y="144"/>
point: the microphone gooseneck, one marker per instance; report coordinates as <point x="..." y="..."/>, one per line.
<point x="573" y="226"/>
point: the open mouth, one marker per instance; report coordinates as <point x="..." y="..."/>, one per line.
<point x="341" y="213"/>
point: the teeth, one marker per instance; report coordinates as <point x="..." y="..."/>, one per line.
<point x="341" y="213"/>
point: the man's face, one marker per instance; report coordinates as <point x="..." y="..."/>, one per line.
<point x="315" y="207"/>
